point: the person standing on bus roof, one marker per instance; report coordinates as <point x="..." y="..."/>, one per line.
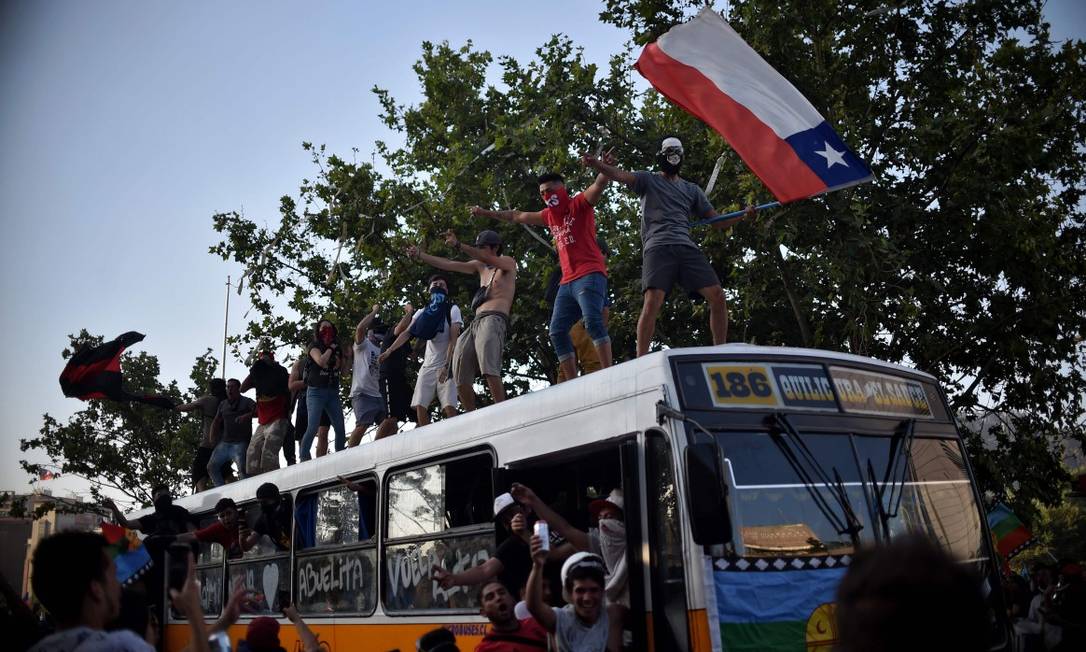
<point x="669" y="253"/>
<point x="235" y="423"/>
<point x="323" y="367"/>
<point x="480" y="347"/>
<point x="439" y="324"/>
<point x="583" y="288"/>
<point x="512" y="562"/>
<point x="272" y="383"/>
<point x="393" y="378"/>
<point x="207" y="406"/>
<point x="369" y="408"/>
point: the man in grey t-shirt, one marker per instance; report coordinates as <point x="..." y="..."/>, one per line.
<point x="669" y="254"/>
<point x="582" y="625"/>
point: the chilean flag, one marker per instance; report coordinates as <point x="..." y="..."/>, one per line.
<point x="707" y="69"/>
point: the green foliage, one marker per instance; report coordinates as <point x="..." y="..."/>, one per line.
<point x="964" y="258"/>
<point x="127" y="447"/>
<point x="1060" y="532"/>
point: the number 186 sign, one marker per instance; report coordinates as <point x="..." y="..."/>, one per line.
<point x="732" y="385"/>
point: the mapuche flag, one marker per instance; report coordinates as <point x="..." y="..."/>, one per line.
<point x="129" y="555"/>
<point x="1011" y="536"/>
<point x="708" y="70"/>
<point x="95" y="372"/>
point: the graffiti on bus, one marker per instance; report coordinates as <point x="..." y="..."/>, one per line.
<point x="410" y="583"/>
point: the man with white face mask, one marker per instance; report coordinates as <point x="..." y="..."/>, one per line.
<point x="607" y="539"/>
<point x="669" y="254"/>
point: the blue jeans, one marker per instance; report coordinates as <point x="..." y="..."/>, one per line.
<point x="581" y="298"/>
<point x="319" y="400"/>
<point x="224" y="453"/>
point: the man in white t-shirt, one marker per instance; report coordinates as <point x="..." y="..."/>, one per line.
<point x="366" y="401"/>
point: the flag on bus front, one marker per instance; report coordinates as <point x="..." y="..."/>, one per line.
<point x="711" y="72"/>
<point x="1011" y="536"/>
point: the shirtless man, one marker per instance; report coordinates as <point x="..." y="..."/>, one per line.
<point x="479" y="348"/>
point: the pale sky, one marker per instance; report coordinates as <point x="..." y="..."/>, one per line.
<point x="126" y="125"/>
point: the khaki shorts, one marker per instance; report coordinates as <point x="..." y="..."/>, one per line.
<point x="479" y="348"/>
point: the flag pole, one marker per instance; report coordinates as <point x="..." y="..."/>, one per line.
<point x="734" y="214"/>
<point x="225" y="324"/>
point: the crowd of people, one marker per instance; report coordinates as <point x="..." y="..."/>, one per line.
<point x="1048" y="607"/>
<point x="458" y="351"/>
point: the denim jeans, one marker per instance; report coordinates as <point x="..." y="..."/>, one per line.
<point x="224" y="453"/>
<point x="580" y="298"/>
<point x="319" y="400"/>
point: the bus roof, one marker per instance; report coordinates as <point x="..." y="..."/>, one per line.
<point x="482" y="426"/>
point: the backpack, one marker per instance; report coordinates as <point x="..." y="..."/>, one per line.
<point x="433" y="317"/>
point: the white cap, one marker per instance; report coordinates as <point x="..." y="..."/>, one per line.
<point x="501" y="502"/>
<point x="671" y="142"/>
<point x="581" y="559"/>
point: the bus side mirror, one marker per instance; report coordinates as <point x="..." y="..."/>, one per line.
<point x="707" y="495"/>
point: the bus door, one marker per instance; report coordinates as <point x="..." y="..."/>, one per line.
<point x="668" y="626"/>
<point x="568" y="481"/>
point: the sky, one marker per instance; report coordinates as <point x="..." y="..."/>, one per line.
<point x="126" y="125"/>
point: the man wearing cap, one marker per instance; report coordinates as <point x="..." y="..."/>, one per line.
<point x="366" y="401"/>
<point x="511" y="564"/>
<point x="669" y="254"/>
<point x="582" y="625"/>
<point x="479" y="348"/>
<point x="583" y="288"/>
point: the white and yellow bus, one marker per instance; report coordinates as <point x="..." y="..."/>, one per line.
<point x="751" y="474"/>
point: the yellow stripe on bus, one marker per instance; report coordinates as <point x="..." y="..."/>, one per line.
<point x="346" y="637"/>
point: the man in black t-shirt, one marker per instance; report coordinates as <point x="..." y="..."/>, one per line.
<point x="512" y="562"/>
<point x="274" y="520"/>
<point x="395" y="389"/>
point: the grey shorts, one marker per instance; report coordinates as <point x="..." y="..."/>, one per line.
<point x="368" y="410"/>
<point x="665" y="264"/>
<point x="479" y="348"/>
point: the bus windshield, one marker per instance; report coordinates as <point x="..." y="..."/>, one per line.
<point x="777" y="513"/>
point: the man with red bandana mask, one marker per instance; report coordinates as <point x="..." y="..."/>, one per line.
<point x="583" y="289"/>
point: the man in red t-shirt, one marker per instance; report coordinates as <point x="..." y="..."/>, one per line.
<point x="227" y="531"/>
<point x="270" y="380"/>
<point x="506" y="633"/>
<point x="583" y="289"/>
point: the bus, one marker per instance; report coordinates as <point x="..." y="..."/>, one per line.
<point x="751" y="475"/>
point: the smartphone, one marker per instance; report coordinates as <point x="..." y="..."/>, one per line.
<point x="218" y="642"/>
<point x="284" y="598"/>
<point x="179" y="565"/>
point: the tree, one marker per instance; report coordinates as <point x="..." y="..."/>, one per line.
<point x="965" y="258"/>
<point x="126" y="447"/>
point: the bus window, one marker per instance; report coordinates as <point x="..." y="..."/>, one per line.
<point x="209" y="573"/>
<point x="337" y="559"/>
<point x="439" y="514"/>
<point x="936" y="498"/>
<point x="264" y="569"/>
<point x="775" y="511"/>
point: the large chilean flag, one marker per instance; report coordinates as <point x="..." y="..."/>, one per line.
<point x="707" y="69"/>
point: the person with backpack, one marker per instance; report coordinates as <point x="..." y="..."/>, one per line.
<point x="439" y="324"/>
<point x="270" y="380"/>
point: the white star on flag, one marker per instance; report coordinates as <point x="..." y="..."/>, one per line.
<point x="832" y="156"/>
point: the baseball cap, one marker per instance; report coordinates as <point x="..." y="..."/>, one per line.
<point x="488" y="238"/>
<point x="263" y="633"/>
<point x="671" y="142"/>
<point x="503" y="502"/>
<point x="614" y="498"/>
<point x="581" y="560"/>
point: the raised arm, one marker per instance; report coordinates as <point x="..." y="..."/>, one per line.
<point x="511" y="215"/>
<point x="119" y="518"/>
<point x="405" y="321"/>
<point x="609" y="170"/>
<point x="593" y="193"/>
<point x="305" y="635"/>
<point x="188" y="407"/>
<point x="540" y="610"/>
<point x="526" y="496"/>
<point x="364" y="325"/>
<point x="504" y="263"/>
<point x="441" y="263"/>
<point x="247" y="384"/>
<point x="475" y="575"/>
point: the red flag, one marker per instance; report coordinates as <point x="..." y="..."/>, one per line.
<point x="46" y="475"/>
<point x="95" y="372"/>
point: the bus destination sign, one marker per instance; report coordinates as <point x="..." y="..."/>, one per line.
<point x="865" y="392"/>
<point x="755" y="385"/>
